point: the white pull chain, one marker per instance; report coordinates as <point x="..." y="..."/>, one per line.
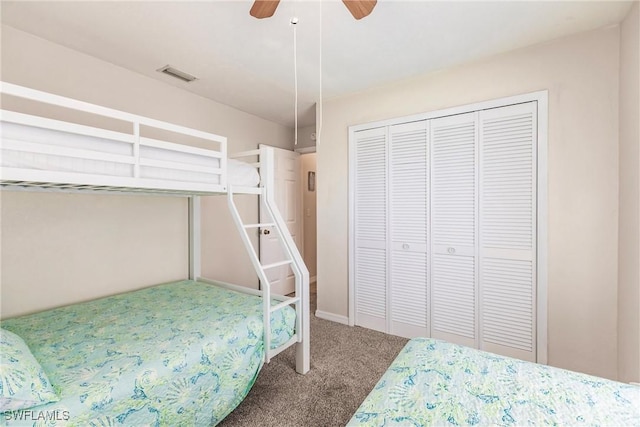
<point x="319" y="104"/>
<point x="294" y="22"/>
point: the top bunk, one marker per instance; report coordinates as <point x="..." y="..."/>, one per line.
<point x="88" y="147"/>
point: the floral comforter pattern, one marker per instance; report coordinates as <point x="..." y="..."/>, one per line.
<point x="433" y="382"/>
<point x="183" y="353"/>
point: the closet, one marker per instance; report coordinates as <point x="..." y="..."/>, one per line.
<point x="443" y="214"/>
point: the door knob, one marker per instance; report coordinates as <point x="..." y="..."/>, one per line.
<point x="266" y="231"/>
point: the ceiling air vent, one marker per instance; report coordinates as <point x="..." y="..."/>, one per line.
<point x="169" y="70"/>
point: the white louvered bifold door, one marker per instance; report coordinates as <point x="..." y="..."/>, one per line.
<point x="370" y="228"/>
<point x="453" y="142"/>
<point x="408" y="200"/>
<point x="508" y="230"/>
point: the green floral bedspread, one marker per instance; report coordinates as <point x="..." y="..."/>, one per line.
<point x="183" y="353"/>
<point x="432" y="382"/>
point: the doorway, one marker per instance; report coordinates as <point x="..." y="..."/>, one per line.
<point x="309" y="191"/>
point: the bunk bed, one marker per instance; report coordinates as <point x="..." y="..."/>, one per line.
<point x="182" y="353"/>
<point x="433" y="382"/>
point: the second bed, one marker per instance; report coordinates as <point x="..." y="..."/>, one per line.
<point x="434" y="382"/>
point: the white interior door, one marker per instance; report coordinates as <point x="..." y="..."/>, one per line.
<point x="409" y="207"/>
<point x="454" y="286"/>
<point x="461" y="192"/>
<point x="508" y="168"/>
<point x="370" y="228"/>
<point x="287" y="196"/>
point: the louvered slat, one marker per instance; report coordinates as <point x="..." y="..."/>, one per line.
<point x="507" y="303"/>
<point x="408" y="174"/>
<point x="370" y="267"/>
<point x="453" y="151"/>
<point x="370" y="276"/>
<point x="371" y="209"/>
<point x="453" y="228"/>
<point x="453" y="296"/>
<point x="409" y="288"/>
<point x="507" y="230"/>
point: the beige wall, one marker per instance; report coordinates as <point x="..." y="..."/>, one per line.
<point x="629" y="245"/>
<point x="60" y="248"/>
<point x="581" y="75"/>
<point x="304" y="138"/>
<point x="309" y="211"/>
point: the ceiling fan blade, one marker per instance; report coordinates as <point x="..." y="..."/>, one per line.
<point x="360" y="8"/>
<point x="263" y="8"/>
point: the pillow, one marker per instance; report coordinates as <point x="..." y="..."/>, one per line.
<point x="23" y="383"/>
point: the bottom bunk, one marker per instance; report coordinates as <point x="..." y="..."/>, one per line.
<point x="184" y="353"/>
<point x="433" y="382"/>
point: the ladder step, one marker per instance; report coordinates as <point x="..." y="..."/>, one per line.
<point x="284" y="303"/>
<point x="276" y="264"/>
<point x="270" y="224"/>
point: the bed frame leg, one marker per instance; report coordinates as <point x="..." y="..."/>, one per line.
<point x="303" y="348"/>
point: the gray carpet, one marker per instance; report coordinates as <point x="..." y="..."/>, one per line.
<point x="346" y="362"/>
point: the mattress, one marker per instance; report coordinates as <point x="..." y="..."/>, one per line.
<point x="242" y="174"/>
<point x="433" y="382"/>
<point x="183" y="353"/>
<point x="105" y="155"/>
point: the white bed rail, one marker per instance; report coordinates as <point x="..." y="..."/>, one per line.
<point x="112" y="160"/>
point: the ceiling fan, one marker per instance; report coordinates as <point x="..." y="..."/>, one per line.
<point x="358" y="8"/>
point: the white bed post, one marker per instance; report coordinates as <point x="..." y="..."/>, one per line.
<point x="194" y="238"/>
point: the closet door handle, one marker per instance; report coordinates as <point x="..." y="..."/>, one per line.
<point x="405" y="246"/>
<point x="266" y="231"/>
<point x="451" y="250"/>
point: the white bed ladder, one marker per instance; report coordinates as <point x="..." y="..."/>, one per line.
<point x="292" y="258"/>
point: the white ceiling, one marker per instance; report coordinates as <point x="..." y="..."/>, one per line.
<point x="248" y="63"/>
